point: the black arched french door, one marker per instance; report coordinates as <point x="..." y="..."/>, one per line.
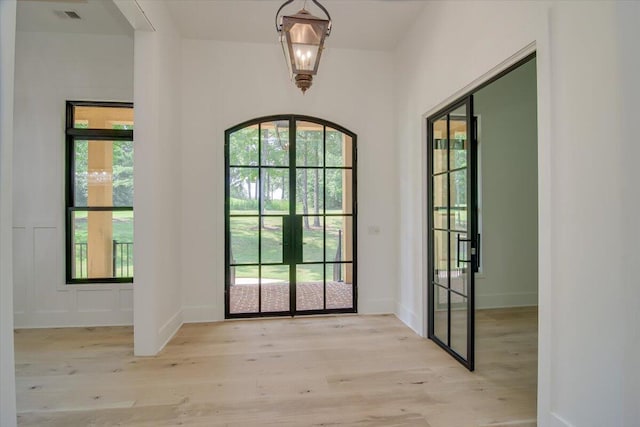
<point x="290" y="217"/>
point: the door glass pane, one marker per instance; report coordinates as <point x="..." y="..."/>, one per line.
<point x="440" y="145"/>
<point x="275" y="191"/>
<point x="274" y="143"/>
<point x="459" y="325"/>
<point x="451" y="270"/>
<point x="91" y="117"/>
<point x="440" y="313"/>
<point x="458" y="137"/>
<point x="309" y="145"/>
<point x="310" y="287"/>
<point x="272" y="239"/>
<point x="440" y="201"/>
<point x="459" y="186"/>
<point x="459" y="269"/>
<point x="244" y="240"/>
<point x="312" y="239"/>
<point x="103" y="173"/>
<point x="243" y="191"/>
<point x="102" y="244"/>
<point x="440" y="257"/>
<point x="339" y="149"/>
<point x="275" y="288"/>
<point x="339" y="285"/>
<point x="339" y="192"/>
<point x="339" y="238"/>
<point x="123" y="244"/>
<point x="243" y="289"/>
<point x="309" y="191"/>
<point x="243" y="147"/>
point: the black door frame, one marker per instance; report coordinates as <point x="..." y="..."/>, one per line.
<point x="469" y="361"/>
<point x="290" y="221"/>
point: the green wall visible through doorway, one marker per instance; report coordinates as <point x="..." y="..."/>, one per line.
<point x="508" y="190"/>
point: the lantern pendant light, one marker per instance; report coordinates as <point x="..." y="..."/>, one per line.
<point x="302" y="36"/>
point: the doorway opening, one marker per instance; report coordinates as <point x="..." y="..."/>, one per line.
<point x="483" y="221"/>
<point x="290" y="218"/>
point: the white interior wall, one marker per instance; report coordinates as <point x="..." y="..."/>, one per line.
<point x="589" y="141"/>
<point x="228" y="83"/>
<point x="52" y="68"/>
<point x="627" y="18"/>
<point x="508" y="141"/>
<point x="158" y="176"/>
<point x="424" y="79"/>
<point x="582" y="253"/>
<point x="7" y="62"/>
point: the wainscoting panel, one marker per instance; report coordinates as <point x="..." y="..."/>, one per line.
<point x="125" y="299"/>
<point x="95" y="300"/>
<point x="42" y="299"/>
<point x="21" y="271"/>
<point x="48" y="268"/>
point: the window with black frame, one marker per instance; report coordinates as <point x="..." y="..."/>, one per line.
<point x="99" y="196"/>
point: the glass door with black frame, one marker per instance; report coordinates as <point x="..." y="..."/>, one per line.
<point x="452" y="227"/>
<point x="290" y="218"/>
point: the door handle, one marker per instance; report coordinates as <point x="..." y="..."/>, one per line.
<point x="286" y="239"/>
<point x="298" y="239"/>
<point x="292" y="239"/>
<point x="458" y="241"/>
<point x="477" y="254"/>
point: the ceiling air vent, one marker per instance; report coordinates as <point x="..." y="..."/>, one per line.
<point x="67" y="14"/>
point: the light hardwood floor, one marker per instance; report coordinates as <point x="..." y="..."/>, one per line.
<point x="320" y="371"/>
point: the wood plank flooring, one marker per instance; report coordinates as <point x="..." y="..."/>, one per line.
<point x="320" y="371"/>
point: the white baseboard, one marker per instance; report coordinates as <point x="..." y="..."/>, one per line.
<point x="169" y="329"/>
<point x="375" y="306"/>
<point x="67" y="319"/>
<point x="409" y="318"/>
<point x="202" y="314"/>
<point x="558" y="421"/>
<point x="214" y="313"/>
<point x="525" y="299"/>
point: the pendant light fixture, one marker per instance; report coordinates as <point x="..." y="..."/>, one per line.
<point x="302" y="36"/>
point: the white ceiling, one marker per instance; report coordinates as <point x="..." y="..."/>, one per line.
<point x="357" y="24"/>
<point x="98" y="17"/>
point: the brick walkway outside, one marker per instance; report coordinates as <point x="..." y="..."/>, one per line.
<point x="275" y="296"/>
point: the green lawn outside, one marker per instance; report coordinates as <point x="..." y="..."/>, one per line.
<point x="244" y="246"/>
<point x="122" y="232"/>
<point x="244" y="241"/>
<point x="122" y="226"/>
